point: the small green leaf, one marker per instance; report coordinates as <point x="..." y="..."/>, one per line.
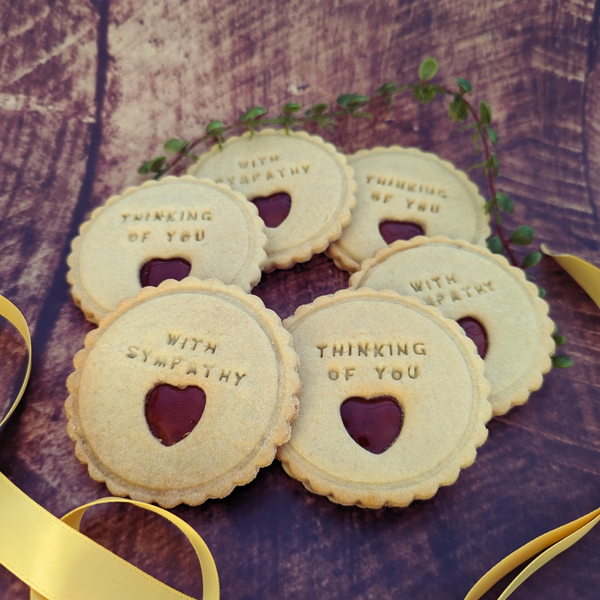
<point x="290" y="108"/>
<point x="145" y="168"/>
<point x="387" y="89"/>
<point x="458" y="110"/>
<point x="522" y="235"/>
<point x="428" y="69"/>
<point x="152" y="166"/>
<point x="532" y="259"/>
<point x="561" y="361"/>
<point x="477" y="166"/>
<point x="351" y="100"/>
<point x="192" y="156"/>
<point x="485" y="113"/>
<point x="493" y="136"/>
<point x="475" y="140"/>
<point x="465" y="85"/>
<point x="423" y="95"/>
<point x="560" y="340"/>
<point x="254" y="113"/>
<point x="493" y="164"/>
<point x="505" y="203"/>
<point x="213" y="126"/>
<point x="541" y="292"/>
<point x="175" y="145"/>
<point x="488" y="205"/>
<point x="317" y="109"/>
<point x="494" y="245"/>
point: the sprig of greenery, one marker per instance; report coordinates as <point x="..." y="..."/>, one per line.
<point x="483" y="135"/>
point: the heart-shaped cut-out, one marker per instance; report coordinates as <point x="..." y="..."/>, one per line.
<point x="477" y="333"/>
<point x="172" y="412"/>
<point x="274" y="209"/>
<point x="374" y="423"/>
<point x="157" y="270"/>
<point x="399" y="230"/>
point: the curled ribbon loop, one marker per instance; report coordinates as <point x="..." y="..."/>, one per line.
<point x="15" y="316"/>
<point x="554" y="542"/>
<point x="59" y="563"/>
<point x="585" y="274"/>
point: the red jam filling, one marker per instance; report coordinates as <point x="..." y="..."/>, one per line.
<point x="399" y="230"/>
<point x="274" y="209"/>
<point x="172" y="412"/>
<point x="157" y="270"/>
<point x="477" y="333"/>
<point x="374" y="424"/>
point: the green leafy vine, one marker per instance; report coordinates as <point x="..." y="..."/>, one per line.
<point x="483" y="135"/>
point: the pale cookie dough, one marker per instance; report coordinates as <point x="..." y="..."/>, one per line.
<point x="312" y="172"/>
<point x="208" y="225"/>
<point x="407" y="185"/>
<point x="372" y="345"/>
<point x="190" y="333"/>
<point x="469" y="281"/>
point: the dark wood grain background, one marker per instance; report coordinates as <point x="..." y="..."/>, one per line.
<point x="90" y="89"/>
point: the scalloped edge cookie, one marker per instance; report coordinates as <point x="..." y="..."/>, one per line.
<point x="289" y="388"/>
<point x="346" y="263"/>
<point x="545" y="343"/>
<point x="331" y="230"/>
<point x="256" y="260"/>
<point x="396" y="495"/>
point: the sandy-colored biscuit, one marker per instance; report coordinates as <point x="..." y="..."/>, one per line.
<point x="312" y="172"/>
<point x="368" y="344"/>
<point x="463" y="280"/>
<point x="215" y="229"/>
<point x="407" y="185"/>
<point x="189" y="333"/>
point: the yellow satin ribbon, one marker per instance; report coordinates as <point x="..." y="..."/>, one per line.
<point x="585" y="274"/>
<point x="14" y="316"/>
<point x="59" y="563"/>
<point x="556" y="541"/>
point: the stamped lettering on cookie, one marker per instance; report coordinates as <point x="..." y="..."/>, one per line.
<point x="264" y="167"/>
<point x="166" y="224"/>
<point x="395" y="360"/>
<point x="190" y="355"/>
<point x="412" y="195"/>
<point x="449" y="289"/>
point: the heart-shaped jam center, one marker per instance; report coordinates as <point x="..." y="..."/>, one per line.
<point x="374" y="423"/>
<point x="477" y="333"/>
<point x="399" y="230"/>
<point x="157" y="270"/>
<point x="172" y="412"/>
<point x="274" y="209"/>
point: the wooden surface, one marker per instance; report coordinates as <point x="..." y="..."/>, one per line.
<point x="89" y="90"/>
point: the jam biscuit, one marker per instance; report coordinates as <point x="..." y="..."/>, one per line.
<point x="393" y="402"/>
<point x="160" y="230"/>
<point x="492" y="300"/>
<point x="403" y="192"/>
<point x="183" y="392"/>
<point x="296" y="174"/>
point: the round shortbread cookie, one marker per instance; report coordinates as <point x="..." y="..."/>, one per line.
<point x="230" y="382"/>
<point x="419" y="191"/>
<point x="215" y="230"/>
<point x="310" y="172"/>
<point x="393" y="402"/>
<point x="466" y="281"/>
